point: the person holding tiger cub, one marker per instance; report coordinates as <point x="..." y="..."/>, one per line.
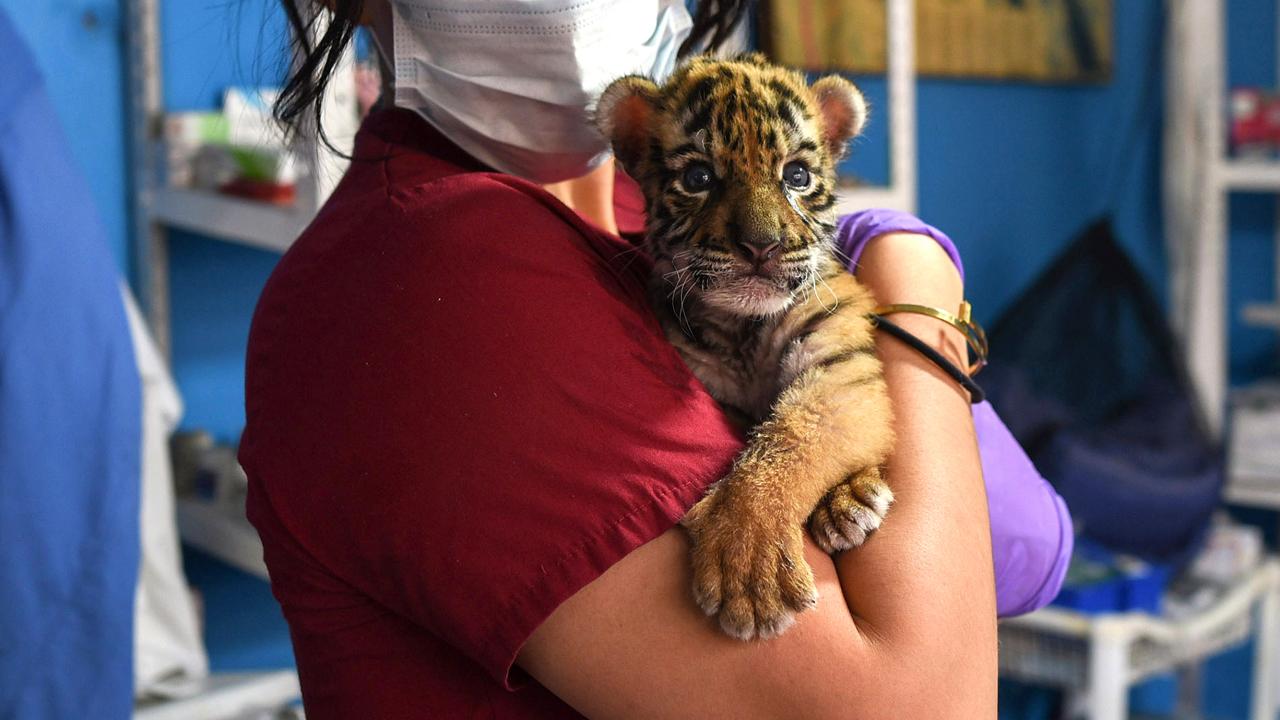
<point x="474" y="449"/>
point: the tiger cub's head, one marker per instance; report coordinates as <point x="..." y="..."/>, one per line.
<point x="737" y="162"/>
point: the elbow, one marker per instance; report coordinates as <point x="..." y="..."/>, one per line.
<point x="906" y="677"/>
<point x="911" y="694"/>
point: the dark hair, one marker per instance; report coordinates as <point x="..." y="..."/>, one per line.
<point x="299" y="100"/>
<point x="713" y="22"/>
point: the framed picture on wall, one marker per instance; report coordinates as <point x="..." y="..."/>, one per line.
<point x="1051" y="41"/>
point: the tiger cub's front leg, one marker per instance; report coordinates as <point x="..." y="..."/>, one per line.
<point x="832" y="422"/>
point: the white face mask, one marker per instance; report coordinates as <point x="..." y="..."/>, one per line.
<point x="510" y="81"/>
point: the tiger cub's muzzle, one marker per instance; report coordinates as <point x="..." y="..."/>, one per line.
<point x="758" y="277"/>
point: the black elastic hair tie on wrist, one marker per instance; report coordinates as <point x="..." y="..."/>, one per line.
<point x="976" y="395"/>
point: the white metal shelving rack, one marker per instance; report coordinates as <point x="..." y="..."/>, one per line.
<point x="236" y="220"/>
<point x="1199" y="177"/>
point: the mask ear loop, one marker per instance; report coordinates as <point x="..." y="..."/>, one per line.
<point x="386" y="62"/>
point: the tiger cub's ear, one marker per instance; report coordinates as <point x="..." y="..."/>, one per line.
<point x="625" y="116"/>
<point x="844" y="112"/>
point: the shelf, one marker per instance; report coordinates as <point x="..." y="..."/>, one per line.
<point x="1263" y="315"/>
<point x="1259" y="175"/>
<point x="222" y="532"/>
<point x="224" y="695"/>
<point x="247" y="222"/>
<point x="1253" y="472"/>
<point x="1253" y="491"/>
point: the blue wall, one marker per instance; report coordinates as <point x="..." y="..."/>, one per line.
<point x="78" y="45"/>
<point x="1011" y="171"/>
<point x="1252" y="61"/>
<point x="214" y="286"/>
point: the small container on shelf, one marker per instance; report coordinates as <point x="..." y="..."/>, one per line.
<point x="1254" y="122"/>
<point x="1248" y="122"/>
<point x="211" y="490"/>
<point x="238" y="151"/>
<point x="1091" y="586"/>
<point x="1100" y="582"/>
<point x="1144" y="586"/>
<point x="1253" y="450"/>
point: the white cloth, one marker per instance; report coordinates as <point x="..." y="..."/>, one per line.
<point x="169" y="651"/>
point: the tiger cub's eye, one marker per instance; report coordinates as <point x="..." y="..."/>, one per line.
<point x="795" y="175"/>
<point x="697" y="177"/>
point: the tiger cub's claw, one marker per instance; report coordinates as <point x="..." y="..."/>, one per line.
<point x="850" y="512"/>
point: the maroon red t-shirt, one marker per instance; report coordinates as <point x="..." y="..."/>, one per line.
<point x="460" y="411"/>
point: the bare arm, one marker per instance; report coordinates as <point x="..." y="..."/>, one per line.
<point x="924" y="585"/>
<point x="915" y="633"/>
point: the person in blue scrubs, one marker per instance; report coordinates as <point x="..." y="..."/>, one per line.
<point x="70" y="425"/>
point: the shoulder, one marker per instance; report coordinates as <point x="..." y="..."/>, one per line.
<point x="432" y="275"/>
<point x="857" y="230"/>
<point x="398" y="206"/>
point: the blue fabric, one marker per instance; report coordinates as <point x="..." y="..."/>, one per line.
<point x="70" y="426"/>
<point x="1087" y="369"/>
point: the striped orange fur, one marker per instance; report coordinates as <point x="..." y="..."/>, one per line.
<point x="737" y="162"/>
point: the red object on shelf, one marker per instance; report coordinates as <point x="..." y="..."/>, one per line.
<point x="1249" y="118"/>
<point x="273" y="193"/>
<point x="1271" y="118"/>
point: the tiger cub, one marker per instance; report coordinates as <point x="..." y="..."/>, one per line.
<point x="737" y="162"/>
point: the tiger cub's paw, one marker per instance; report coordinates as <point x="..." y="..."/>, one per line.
<point x="850" y="511"/>
<point x="748" y="571"/>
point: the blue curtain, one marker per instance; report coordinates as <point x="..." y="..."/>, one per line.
<point x="70" y="425"/>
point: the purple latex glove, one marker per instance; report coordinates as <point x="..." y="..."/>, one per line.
<point x="1031" y="536"/>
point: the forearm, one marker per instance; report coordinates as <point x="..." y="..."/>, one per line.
<point x="922" y="588"/>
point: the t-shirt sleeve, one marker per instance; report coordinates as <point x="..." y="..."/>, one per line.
<point x="472" y="413"/>
<point x="857" y="229"/>
<point x="1031" y="531"/>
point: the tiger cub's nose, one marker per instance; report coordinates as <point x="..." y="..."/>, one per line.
<point x="758" y="251"/>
